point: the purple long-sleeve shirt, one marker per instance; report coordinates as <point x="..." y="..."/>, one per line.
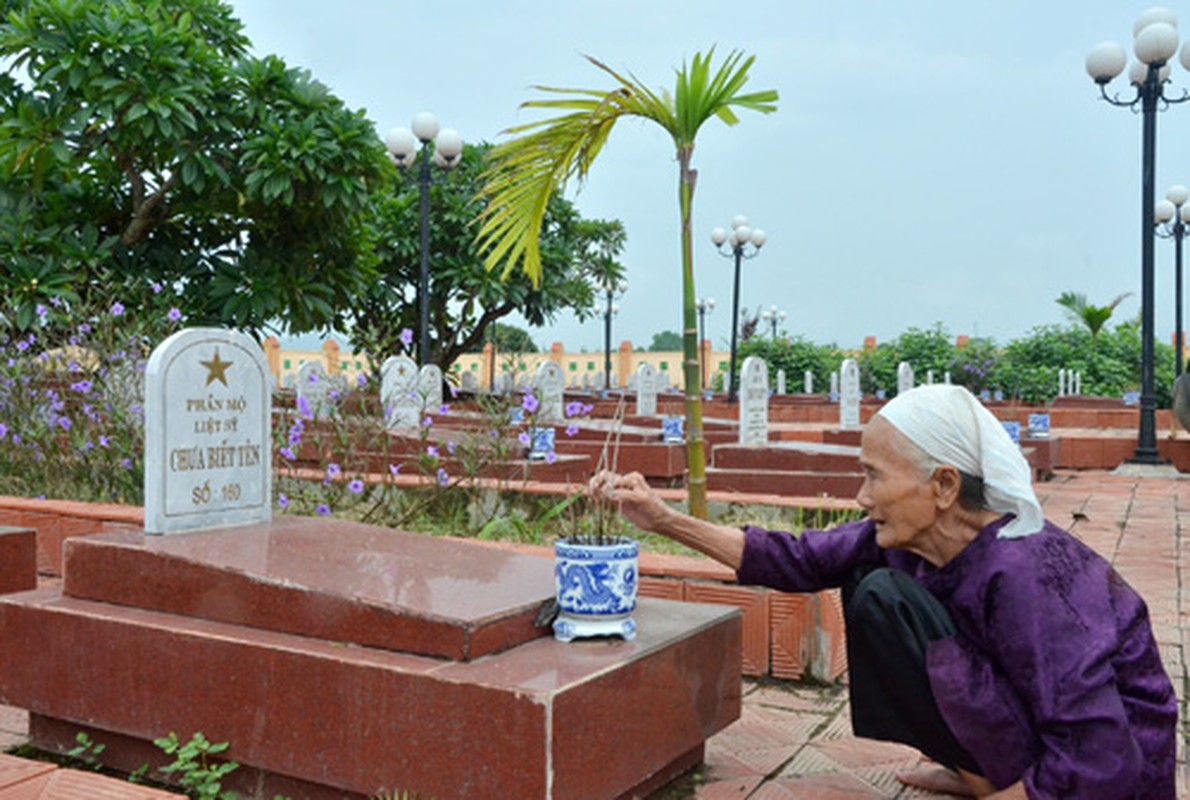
<point x="1053" y="677"/>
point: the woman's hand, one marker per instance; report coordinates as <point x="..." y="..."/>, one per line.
<point x="633" y="497"/>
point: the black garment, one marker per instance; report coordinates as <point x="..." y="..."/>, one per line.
<point x="890" y="621"/>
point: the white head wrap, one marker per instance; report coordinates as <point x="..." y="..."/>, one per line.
<point x="953" y="427"/>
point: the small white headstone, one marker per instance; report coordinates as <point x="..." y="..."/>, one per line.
<point x="550" y="386"/>
<point x="289" y="381"/>
<point x="808" y="382"/>
<point x="849" y="395"/>
<point x="208" y="451"/>
<point x="586" y="381"/>
<point x="398" y="392"/>
<point x="1061" y="383"/>
<point x="313" y="388"/>
<point x="1078" y="383"/>
<point x="469" y="382"/>
<point x="929" y="377"/>
<point x="904" y="377"/>
<point x="835" y="386"/>
<point x="646" y="390"/>
<point x="754" y="401"/>
<point x="946" y="377"/>
<point x="600" y="382"/>
<point x="429" y="386"/>
<point x="780" y="381"/>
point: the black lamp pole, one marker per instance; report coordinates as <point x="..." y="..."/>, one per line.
<point x="423" y="279"/>
<point x="1169" y="211"/>
<point x="609" y="311"/>
<point x="1156" y="41"/>
<point x="740" y="236"/>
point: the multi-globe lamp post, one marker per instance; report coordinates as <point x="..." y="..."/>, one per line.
<point x="402" y="148"/>
<point x="773" y="317"/>
<point x="1155" y="41"/>
<point x="612" y="289"/>
<point x="704" y="306"/>
<point x="743" y="242"/>
<point x="1172" y="214"/>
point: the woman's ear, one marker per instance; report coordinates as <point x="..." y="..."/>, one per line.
<point x="948" y="485"/>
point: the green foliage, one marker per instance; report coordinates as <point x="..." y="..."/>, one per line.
<point x="87" y="752"/>
<point x="666" y="342"/>
<point x="466" y="299"/>
<point x="143" y="141"/>
<point x="194" y="767"/>
<point x="795" y="356"/>
<point x="511" y="339"/>
<point x="974" y="365"/>
<point x="923" y="349"/>
<point x="1083" y="313"/>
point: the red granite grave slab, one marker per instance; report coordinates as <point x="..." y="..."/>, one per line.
<point x="789" y="456"/>
<point x="543" y="720"/>
<point x="331" y="579"/>
<point x="18" y="557"/>
<point x="66" y="784"/>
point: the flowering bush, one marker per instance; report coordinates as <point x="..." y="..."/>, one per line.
<point x="71" y="394"/>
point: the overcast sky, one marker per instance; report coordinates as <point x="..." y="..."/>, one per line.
<point x="930" y="160"/>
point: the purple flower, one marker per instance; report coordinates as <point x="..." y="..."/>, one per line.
<point x="55" y="301"/>
<point x="126" y="463"/>
<point x="85" y="328"/>
<point x="529" y="403"/>
<point x="407" y="337"/>
<point x="104" y="442"/>
<point x="571" y="430"/>
<point x="174" y="314"/>
<point x="287" y="453"/>
<point x="427" y="422"/>
<point x="82" y="386"/>
<point x="42" y="311"/>
<point x="574" y="408"/>
<point x="3" y="430"/>
<point x="333" y="470"/>
<point x="323" y="510"/>
<point x="443" y="478"/>
<point x="451" y="447"/>
<point x="156" y="287"/>
<point x="444" y="408"/>
<point x="361" y="380"/>
<point x="395" y="469"/>
<point x="303" y="406"/>
<point x="356" y="486"/>
<point x="523" y="438"/>
<point x="551" y="457"/>
<point x="22" y="346"/>
<point x="117" y="309"/>
<point x="431" y="451"/>
<point x="64" y="423"/>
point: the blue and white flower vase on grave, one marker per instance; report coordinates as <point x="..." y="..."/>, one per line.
<point x="1014" y="431"/>
<point x="673" y="429"/>
<point x="541" y="443"/>
<point x="596" y="588"/>
<point x="1039" y="426"/>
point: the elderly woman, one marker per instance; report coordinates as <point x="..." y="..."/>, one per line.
<point x="988" y="638"/>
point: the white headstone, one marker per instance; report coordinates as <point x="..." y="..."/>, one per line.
<point x="586" y="381"/>
<point x="834" y="384"/>
<point x="946" y="377"/>
<point x="929" y="377"/>
<point x="469" y="382"/>
<point x="208" y="450"/>
<point x="551" y="386"/>
<point x="1061" y="383"/>
<point x="780" y="381"/>
<point x="1078" y="383"/>
<point x="849" y="395"/>
<point x="429" y="386"/>
<point x="904" y="377"/>
<point x="289" y="380"/>
<point x="398" y="392"/>
<point x="313" y="387"/>
<point x="754" y="401"/>
<point x="646" y="390"/>
<point x="808" y="382"/>
<point x="600" y="382"/>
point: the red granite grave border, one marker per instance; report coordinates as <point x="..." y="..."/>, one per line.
<point x="766" y="632"/>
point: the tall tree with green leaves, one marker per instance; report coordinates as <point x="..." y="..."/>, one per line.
<point x="1083" y="313"/>
<point x="543" y="156"/>
<point x="139" y="139"/>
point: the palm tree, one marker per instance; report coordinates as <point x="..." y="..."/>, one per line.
<point x="544" y="155"/>
<point x="1083" y="313"/>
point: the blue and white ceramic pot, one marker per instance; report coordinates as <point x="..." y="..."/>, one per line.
<point x="596" y="587"/>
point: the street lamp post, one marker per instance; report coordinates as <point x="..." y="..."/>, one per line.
<point x="1172" y="214"/>
<point x="704" y="307"/>
<point x="773" y="316"/>
<point x="736" y="247"/>
<point x="610" y="310"/>
<point x="402" y="148"/>
<point x="1155" y="42"/>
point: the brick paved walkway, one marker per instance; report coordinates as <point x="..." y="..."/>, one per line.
<point x="794" y="741"/>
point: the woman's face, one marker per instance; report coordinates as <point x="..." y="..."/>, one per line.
<point x="901" y="502"/>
